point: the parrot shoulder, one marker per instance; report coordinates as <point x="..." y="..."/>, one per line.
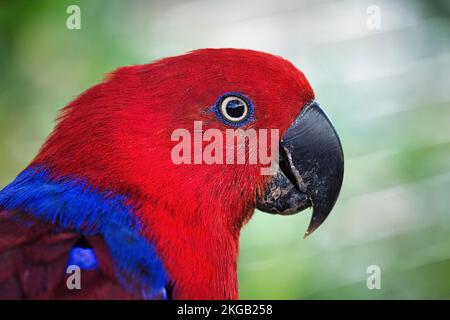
<point x="50" y="229"/>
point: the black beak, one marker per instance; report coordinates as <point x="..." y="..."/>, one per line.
<point x="311" y="169"/>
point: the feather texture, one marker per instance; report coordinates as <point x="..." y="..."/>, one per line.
<point x="43" y="218"/>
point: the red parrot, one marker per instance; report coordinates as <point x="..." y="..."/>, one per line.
<point x="106" y="195"/>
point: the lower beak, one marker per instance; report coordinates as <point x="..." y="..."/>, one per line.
<point x="311" y="169"/>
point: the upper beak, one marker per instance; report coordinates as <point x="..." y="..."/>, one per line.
<point x="311" y="168"/>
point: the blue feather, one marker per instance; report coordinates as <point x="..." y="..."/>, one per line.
<point x="85" y="258"/>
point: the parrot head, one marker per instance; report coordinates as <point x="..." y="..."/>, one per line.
<point x="160" y="134"/>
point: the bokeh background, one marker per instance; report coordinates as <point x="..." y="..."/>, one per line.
<point x="387" y="91"/>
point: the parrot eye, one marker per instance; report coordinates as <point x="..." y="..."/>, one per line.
<point x="234" y="109"/>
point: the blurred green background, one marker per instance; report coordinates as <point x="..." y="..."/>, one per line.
<point x="387" y="91"/>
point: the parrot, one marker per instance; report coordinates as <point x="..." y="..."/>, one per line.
<point x="104" y="200"/>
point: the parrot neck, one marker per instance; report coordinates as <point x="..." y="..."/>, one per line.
<point x="191" y="246"/>
<point x="201" y="257"/>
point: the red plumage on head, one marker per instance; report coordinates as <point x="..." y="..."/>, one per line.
<point x="117" y="135"/>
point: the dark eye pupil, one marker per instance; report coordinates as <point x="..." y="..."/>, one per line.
<point x="235" y="108"/>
